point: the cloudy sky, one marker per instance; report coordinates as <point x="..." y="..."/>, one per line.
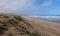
<point x="30" y="7"/>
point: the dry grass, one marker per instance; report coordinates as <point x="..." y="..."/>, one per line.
<point x="12" y="25"/>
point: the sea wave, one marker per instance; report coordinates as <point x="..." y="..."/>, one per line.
<point x="46" y="17"/>
<point x="55" y="18"/>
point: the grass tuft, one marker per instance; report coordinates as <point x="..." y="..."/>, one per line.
<point x="18" y="18"/>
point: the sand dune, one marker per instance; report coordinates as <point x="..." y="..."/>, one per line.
<point x="13" y="25"/>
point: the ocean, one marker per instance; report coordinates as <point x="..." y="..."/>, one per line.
<point x="50" y="18"/>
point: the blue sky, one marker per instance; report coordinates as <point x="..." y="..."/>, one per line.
<point x="30" y="7"/>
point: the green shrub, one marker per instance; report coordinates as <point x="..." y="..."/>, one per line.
<point x="12" y="21"/>
<point x="18" y="18"/>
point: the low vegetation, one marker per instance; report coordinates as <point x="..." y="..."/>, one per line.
<point x="11" y="25"/>
<point x="18" y="18"/>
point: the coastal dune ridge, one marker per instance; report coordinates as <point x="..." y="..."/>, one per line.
<point x="18" y="25"/>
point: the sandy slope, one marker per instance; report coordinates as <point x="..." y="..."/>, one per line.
<point x="12" y="25"/>
<point x="45" y="28"/>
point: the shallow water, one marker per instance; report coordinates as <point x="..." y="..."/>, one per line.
<point x="50" y="18"/>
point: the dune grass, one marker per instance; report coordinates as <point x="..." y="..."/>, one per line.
<point x="18" y="18"/>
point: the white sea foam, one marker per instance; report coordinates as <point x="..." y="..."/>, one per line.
<point x="47" y="17"/>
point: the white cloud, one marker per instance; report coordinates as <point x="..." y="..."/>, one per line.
<point x="15" y="5"/>
<point x="21" y="5"/>
<point x="47" y="3"/>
